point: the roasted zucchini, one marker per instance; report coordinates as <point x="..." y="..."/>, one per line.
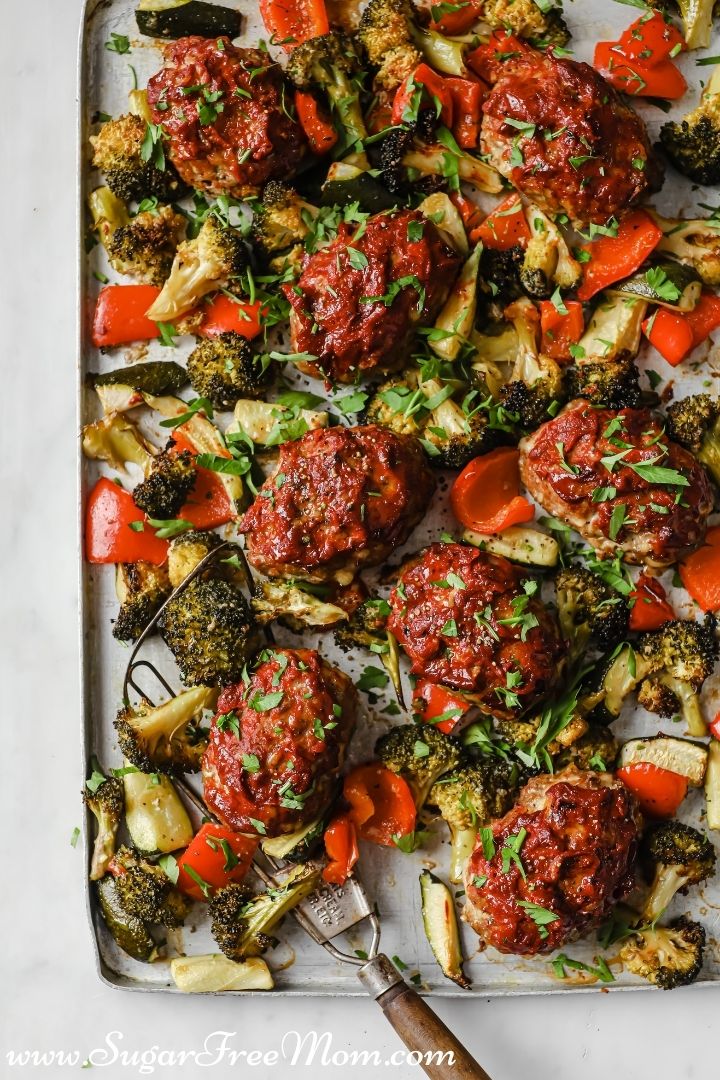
<point x="183" y="18"/>
<point x="670" y="284"/>
<point x="441" y="927"/>
<point x="298" y="846"/>
<point x="212" y="973"/>
<point x="682" y="756"/>
<point x="154" y="813"/>
<point x="129" y="933"/>
<point x="152" y="377"/>
<point x="527" y="546"/>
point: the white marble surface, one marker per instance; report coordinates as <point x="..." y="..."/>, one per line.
<point x="50" y="996"/>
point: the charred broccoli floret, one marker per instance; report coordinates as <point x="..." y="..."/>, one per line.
<point x="167" y="737"/>
<point x="499" y="281"/>
<point x="695" y="242"/>
<point x="667" y="956"/>
<point x="293" y="606"/>
<point x="141" y="589"/>
<point x="241" y="925"/>
<point x="589" y="610"/>
<point x="146" y="892"/>
<point x="469" y="797"/>
<point x="395" y="43"/>
<point x="536" y="381"/>
<point x="166" y="488"/>
<point x="128" y="153"/>
<point x="202" y="265"/>
<point x="280" y="220"/>
<point x="694" y="422"/>
<point x="210" y="631"/>
<point x="542" y="23"/>
<point x="142" y="246"/>
<point x="420" y="755"/>
<point x="614" y="384"/>
<point x="187" y="550"/>
<point x="681" y="857"/>
<point x="596" y="749"/>
<point x="400" y="405"/>
<point x="332" y="63"/>
<point x="225" y="369"/>
<point x="693" y="144"/>
<point x="106" y="801"/>
<point x="678" y="659"/>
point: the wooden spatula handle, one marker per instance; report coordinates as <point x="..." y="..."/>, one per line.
<point x="417" y="1025"/>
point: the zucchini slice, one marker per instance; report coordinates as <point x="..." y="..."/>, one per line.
<point x="297" y="846"/>
<point x="346" y="184"/>
<point x="154" y="813"/>
<point x="152" y="377"/>
<point x="458" y="316"/>
<point x="682" y="756"/>
<point x="129" y="933"/>
<point x="183" y="18"/>
<point x="527" y="546"/>
<point x="212" y="973"/>
<point x="712" y="786"/>
<point x="441" y="927"/>
<point x="678" y="286"/>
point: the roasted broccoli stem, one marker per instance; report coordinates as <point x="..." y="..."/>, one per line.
<point x="146" y="892"/>
<point x="693" y="143"/>
<point x="281" y="220"/>
<point x="469" y="797"/>
<point x="589" y="610"/>
<point x="681" y="857"/>
<point x="242" y="925"/>
<point x="678" y="659"/>
<point x="547" y="261"/>
<point x="395" y="43"/>
<point x="613" y="384"/>
<point x="166" y="488"/>
<point x="202" y="265"/>
<point x="106" y="801"/>
<point x="141" y="589"/>
<point x="165" y="738"/>
<point x="697" y="18"/>
<point x="225" y="369"/>
<point x="693" y="241"/>
<point x="142" y="246"/>
<point x="694" y="422"/>
<point x="536" y="381"/>
<point x="332" y="63"/>
<point x="120" y="151"/>
<point x="293" y="606"/>
<point x="420" y="755"/>
<point x="542" y="23"/>
<point x="667" y="956"/>
<point x="210" y="631"/>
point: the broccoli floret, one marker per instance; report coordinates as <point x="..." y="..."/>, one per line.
<point x="547" y="261"/>
<point x="187" y="550"/>
<point x="526" y="19"/>
<point x="293" y="606"/>
<point x="395" y="43"/>
<point x="398" y="404"/>
<point x="107" y="802"/>
<point x="499" y="281"/>
<point x="667" y="956"/>
<point x="142" y="246"/>
<point x="281" y="220"/>
<point x="166" y="488"/>
<point x="146" y="892"/>
<point x="695" y="242"/>
<point x="366" y="629"/>
<point x="332" y="63"/>
<point x="677" y="660"/>
<point x="124" y="153"/>
<point x="694" y="422"/>
<point x="589" y="609"/>
<point x="225" y="369"/>
<point x="210" y="631"/>
<point x="242" y="926"/>
<point x="614" y="384"/>
<point x="141" y="589"/>
<point x="536" y="380"/>
<point x="596" y="749"/>
<point x="693" y="144"/>
<point x="390" y="160"/>
<point x="201" y="266"/>
<point x="469" y="797"/>
<point x="610" y="684"/>
<point x="420" y="755"/>
<point x="165" y="738"/>
<point x="681" y="857"/>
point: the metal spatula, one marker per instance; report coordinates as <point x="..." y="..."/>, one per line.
<point x="333" y="910"/>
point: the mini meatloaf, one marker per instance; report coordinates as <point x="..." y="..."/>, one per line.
<point x="564" y="138"/>
<point x="574" y="836"/>
<point x="616" y="478"/>
<point x="224" y="112"/>
<point x="358" y="301"/>
<point x="475" y="622"/>
<point x="278" y="742"/>
<point x="339" y="499"/>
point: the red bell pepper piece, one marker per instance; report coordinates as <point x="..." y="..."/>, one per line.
<point x="109" y="537"/>
<point x="214" y="857"/>
<point x="223" y="314"/>
<point x="700" y="572"/>
<point x="487" y="60"/>
<point x="209" y="504"/>
<point x="469" y="211"/>
<point x="704" y="317"/>
<point x="381" y="803"/>
<point x="651" y="609"/>
<point x="467" y="98"/>
<point x="456" y="18"/>
<point x="429" y="83"/>
<point x="658" y="791"/>
<point x="559" y="332"/>
<point x="615" y="257"/>
<point x="505" y="227"/>
<point x="633" y="77"/>
<point x="714" y="727"/>
<point x="486" y="495"/>
<point x="318" y="128"/>
<point x="293" y="21"/>
<point x="341" y="848"/>
<point x="120" y="315"/>
<point x="671" y="334"/>
<point x="435" y="704"/>
<point x="652" y="40"/>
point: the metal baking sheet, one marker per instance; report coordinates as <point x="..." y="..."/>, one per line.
<point x="391" y="878"/>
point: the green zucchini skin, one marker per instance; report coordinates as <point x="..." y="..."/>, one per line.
<point x="151" y="377"/>
<point x="188" y="18"/>
<point x="130" y="934"/>
<point x="364" y="189"/>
